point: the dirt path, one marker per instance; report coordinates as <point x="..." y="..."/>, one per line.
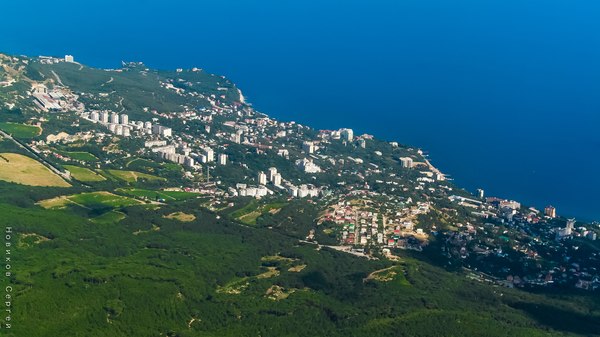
<point x="57" y="78"/>
<point x="373" y="274"/>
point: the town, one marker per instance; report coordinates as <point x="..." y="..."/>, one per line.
<point x="375" y="197"/>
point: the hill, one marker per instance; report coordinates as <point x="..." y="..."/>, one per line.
<point x="192" y="214"/>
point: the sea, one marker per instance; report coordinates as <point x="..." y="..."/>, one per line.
<point x="503" y="95"/>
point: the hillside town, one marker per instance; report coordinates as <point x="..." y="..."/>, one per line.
<point x="375" y="197"/>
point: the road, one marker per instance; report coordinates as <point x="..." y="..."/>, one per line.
<point x="57" y="78"/>
<point x="344" y="249"/>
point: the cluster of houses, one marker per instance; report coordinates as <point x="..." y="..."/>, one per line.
<point x="359" y="225"/>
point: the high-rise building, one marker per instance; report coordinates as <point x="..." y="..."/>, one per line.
<point x="362" y="143"/>
<point x="277" y="179"/>
<point x="94" y="116"/>
<point x="271" y="173"/>
<point x="509" y="204"/>
<point x="308" y="147"/>
<point x="155" y="143"/>
<point x="104" y="117"/>
<point x="237" y="137"/>
<point x="570" y="226"/>
<point x="550" y="211"/>
<point x="480" y="193"/>
<point x="210" y="154"/>
<point x="222" y="159"/>
<point x="69" y="58"/>
<point x="406" y="162"/>
<point x="262" y="178"/>
<point x="303" y="191"/>
<point x="347" y="134"/>
<point x="161" y="130"/>
<point x="188" y="161"/>
<point x="114" y="118"/>
<point x="308" y="166"/>
<point x="124" y="119"/>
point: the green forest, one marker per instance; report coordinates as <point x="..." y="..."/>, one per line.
<point x="147" y="275"/>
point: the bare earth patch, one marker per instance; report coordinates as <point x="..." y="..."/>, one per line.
<point x="154" y="228"/>
<point x="27" y="239"/>
<point x="277" y="293"/>
<point x="271" y="272"/>
<point x="297" y="269"/>
<point x="383" y="275"/>
<point x="58" y="202"/>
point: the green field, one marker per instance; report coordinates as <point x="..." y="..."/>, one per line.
<point x="89" y="200"/>
<point x="20" y="169"/>
<point x="109" y="217"/>
<point x="251" y="212"/>
<point x="132" y="176"/>
<point x="155" y="195"/>
<point x="20" y="130"/>
<point x="145" y="164"/>
<point x="84" y="174"/>
<point x="78" y="155"/>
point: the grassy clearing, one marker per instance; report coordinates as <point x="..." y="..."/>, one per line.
<point x="20" y="130"/>
<point x="89" y="200"/>
<point x="238" y="285"/>
<point x="103" y="198"/>
<point x="145" y="164"/>
<point x="30" y="239"/>
<point x="109" y="218"/>
<point x="132" y="176"/>
<point x="234" y="287"/>
<point x="250" y="218"/>
<point x="297" y="269"/>
<point x="156" y="195"/>
<point x="283" y="262"/>
<point x="180" y="216"/>
<point x="79" y="155"/>
<point x="278" y="293"/>
<point x="277" y="258"/>
<point x="20" y="169"/>
<point x="251" y="212"/>
<point x="55" y="203"/>
<point x="139" y="161"/>
<point x="270" y="272"/>
<point x="84" y="174"/>
<point x="154" y="228"/>
<point x="393" y="273"/>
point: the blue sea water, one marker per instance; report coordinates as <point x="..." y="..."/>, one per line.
<point x="503" y="94"/>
